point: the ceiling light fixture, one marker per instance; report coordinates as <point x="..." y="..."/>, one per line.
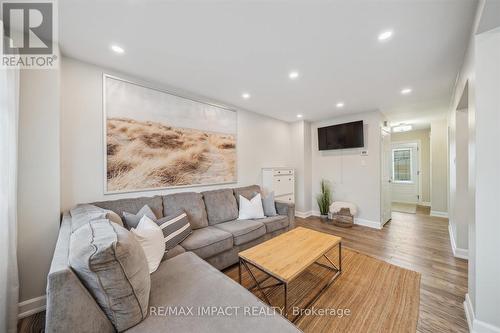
<point x="245" y="95"/>
<point x="117" y="49"/>
<point x="385" y="35"/>
<point x="402" y="128"/>
<point x="340" y="105"/>
<point x="293" y="75"/>
<point x="299" y="116"/>
<point x="406" y="91"/>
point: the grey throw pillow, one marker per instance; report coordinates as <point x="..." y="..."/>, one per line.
<point x="111" y="264"/>
<point x="132" y="220"/>
<point x="268" y="204"/>
<point x="175" y="229"/>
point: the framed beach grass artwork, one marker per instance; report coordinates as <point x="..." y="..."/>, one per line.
<point x="156" y="140"/>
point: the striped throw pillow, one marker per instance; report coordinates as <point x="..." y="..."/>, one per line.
<point x="175" y="228"/>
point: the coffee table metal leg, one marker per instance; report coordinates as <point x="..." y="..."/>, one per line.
<point x="256" y="282"/>
<point x="334" y="268"/>
<point x="286" y="300"/>
<point x="340" y="256"/>
<point x="239" y="270"/>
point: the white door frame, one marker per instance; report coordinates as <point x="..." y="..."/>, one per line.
<point x="385" y="219"/>
<point x="419" y="163"/>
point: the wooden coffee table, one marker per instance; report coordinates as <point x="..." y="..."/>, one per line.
<point x="286" y="256"/>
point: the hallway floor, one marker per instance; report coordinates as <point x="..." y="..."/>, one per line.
<point x="421" y="243"/>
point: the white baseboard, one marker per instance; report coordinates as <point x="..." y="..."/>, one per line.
<point x="476" y="325"/>
<point x="368" y="223"/>
<point x="438" y="213"/>
<point x="303" y="214"/>
<point x="31" y="306"/>
<point x="425" y="203"/>
<point x="457" y="251"/>
<point x="406" y="202"/>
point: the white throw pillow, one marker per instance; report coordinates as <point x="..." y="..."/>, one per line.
<point x="251" y="209"/>
<point x="150" y="236"/>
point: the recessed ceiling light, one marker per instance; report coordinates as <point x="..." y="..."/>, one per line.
<point x="117" y="49"/>
<point x="402" y="128"/>
<point x="299" y="116"/>
<point x="340" y="105"/>
<point x="406" y="91"/>
<point x="293" y="75"/>
<point x="385" y="35"/>
<point x="245" y="95"/>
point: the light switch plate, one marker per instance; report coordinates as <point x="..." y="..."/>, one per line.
<point x="364" y="153"/>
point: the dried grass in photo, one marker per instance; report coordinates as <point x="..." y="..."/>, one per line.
<point x="143" y="155"/>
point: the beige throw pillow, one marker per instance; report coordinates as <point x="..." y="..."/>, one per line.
<point x="150" y="236"/>
<point x="115" y="218"/>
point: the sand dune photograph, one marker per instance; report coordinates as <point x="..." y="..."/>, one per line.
<point x="160" y="144"/>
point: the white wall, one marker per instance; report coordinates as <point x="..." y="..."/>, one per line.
<point x="465" y="78"/>
<point x="38" y="191"/>
<point x="439" y="167"/>
<point x="353" y="177"/>
<point x="262" y="141"/>
<point x="487" y="180"/>
<point x="301" y="156"/>
<point x="459" y="181"/>
<point x="480" y="72"/>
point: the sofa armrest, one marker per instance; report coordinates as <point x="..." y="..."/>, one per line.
<point x="70" y="307"/>
<point x="288" y="209"/>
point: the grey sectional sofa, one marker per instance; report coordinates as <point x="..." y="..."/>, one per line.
<point x="183" y="278"/>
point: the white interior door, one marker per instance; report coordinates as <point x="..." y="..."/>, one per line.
<point x="386" y="176"/>
<point x="405" y="174"/>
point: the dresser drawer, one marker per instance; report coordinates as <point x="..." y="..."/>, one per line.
<point x="285" y="198"/>
<point x="280" y="172"/>
<point x="283" y="185"/>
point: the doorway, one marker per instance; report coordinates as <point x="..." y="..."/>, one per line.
<point x="405" y="167"/>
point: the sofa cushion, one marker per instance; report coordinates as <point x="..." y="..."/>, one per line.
<point x="243" y="231"/>
<point x="274" y="223"/>
<point x="221" y="206"/>
<point x="192" y="203"/>
<point x="174" y="252"/>
<point x="247" y="192"/>
<point x="208" y="241"/>
<point x="187" y="281"/>
<point x="133" y="205"/>
<point x="111" y="264"/>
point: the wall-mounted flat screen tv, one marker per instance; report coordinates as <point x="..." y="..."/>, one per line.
<point x="348" y="135"/>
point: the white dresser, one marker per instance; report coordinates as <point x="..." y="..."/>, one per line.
<point x="281" y="181"/>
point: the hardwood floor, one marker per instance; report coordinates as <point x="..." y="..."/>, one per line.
<point x="421" y="243"/>
<point x="415" y="241"/>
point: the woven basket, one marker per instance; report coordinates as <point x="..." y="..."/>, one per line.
<point x="343" y="218"/>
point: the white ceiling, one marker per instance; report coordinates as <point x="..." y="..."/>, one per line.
<point x="220" y="49"/>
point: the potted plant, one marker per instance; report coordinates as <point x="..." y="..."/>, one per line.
<point x="324" y="199"/>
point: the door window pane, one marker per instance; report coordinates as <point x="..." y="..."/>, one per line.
<point x="401" y="165"/>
